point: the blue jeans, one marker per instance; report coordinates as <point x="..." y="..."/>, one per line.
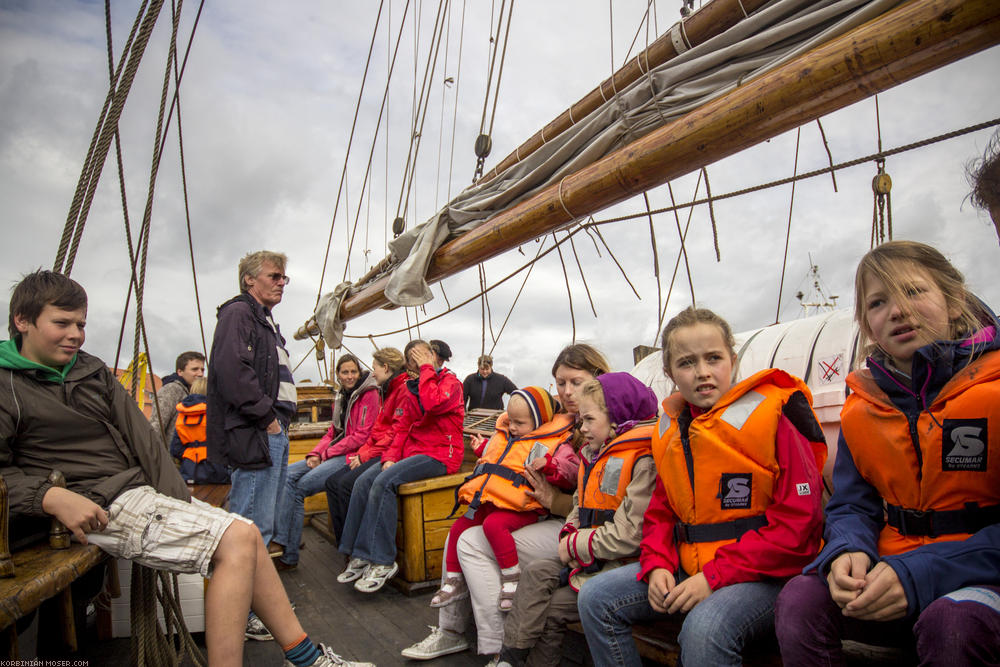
<point x="302" y="482"/>
<point x="370" y="529"/>
<point x="255" y="492"/>
<point x="713" y="633"/>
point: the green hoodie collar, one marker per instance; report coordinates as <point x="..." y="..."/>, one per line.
<point x="10" y="358"/>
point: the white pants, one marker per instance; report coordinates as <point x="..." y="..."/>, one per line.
<point x="482" y="575"/>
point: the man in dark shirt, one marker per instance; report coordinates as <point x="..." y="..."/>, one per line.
<point x="485" y="389"/>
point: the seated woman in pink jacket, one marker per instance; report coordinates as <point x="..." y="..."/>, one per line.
<point x="355" y="408"/>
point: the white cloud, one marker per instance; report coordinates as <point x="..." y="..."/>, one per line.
<point x="268" y="99"/>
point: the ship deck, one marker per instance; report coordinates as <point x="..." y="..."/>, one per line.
<point x="359" y="626"/>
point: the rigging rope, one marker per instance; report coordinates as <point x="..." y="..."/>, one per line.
<point x="656" y="254"/>
<point x="675" y="208"/>
<point x="788" y="230"/>
<point x="681" y="252"/>
<point x="458" y="83"/>
<point x="569" y="292"/>
<point x="484" y="143"/>
<point x="517" y="296"/>
<point x="347" y="153"/>
<point x="423" y="104"/>
<point x="100" y="143"/>
<point x="811" y="174"/>
<point x="478" y="295"/>
<point x="711" y="214"/>
<point x="583" y="278"/>
<point x="184" y="188"/>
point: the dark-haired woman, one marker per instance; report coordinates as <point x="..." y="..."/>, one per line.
<point x="355" y="407"/>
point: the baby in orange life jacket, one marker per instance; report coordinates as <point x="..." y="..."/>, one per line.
<point x="736" y="508"/>
<point x="528" y="434"/>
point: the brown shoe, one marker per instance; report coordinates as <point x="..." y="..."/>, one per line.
<point x="274" y="549"/>
<point x="282" y="566"/>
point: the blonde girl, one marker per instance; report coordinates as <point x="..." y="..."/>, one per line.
<point x="913" y="526"/>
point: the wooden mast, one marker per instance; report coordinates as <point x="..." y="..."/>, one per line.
<point x="707" y="21"/>
<point x="904" y="43"/>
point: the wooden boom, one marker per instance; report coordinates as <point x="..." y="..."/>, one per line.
<point x="708" y="21"/>
<point x="904" y="43"/>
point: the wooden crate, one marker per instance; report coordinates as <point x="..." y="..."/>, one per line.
<point x="424" y="520"/>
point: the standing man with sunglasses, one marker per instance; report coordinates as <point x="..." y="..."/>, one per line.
<point x="251" y="395"/>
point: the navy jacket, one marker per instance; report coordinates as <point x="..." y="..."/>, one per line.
<point x="242" y="384"/>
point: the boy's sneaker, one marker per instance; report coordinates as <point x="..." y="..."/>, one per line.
<point x="439" y="642"/>
<point x="327" y="658"/>
<point x="257" y="630"/>
<point x="375" y="577"/>
<point x="355" y="569"/>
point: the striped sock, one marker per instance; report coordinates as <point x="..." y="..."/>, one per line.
<point x="303" y="652"/>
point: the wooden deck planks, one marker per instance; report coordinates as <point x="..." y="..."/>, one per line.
<point x="360" y="626"/>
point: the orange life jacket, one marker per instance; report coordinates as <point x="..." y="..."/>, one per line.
<point x="499" y="478"/>
<point x="731" y="446"/>
<point x="601" y="485"/>
<point x="190" y="426"/>
<point x="940" y="477"/>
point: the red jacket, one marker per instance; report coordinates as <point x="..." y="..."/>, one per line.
<point x="389" y="420"/>
<point x="779" y="549"/>
<point x="437" y="404"/>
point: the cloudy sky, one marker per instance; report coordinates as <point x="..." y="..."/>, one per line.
<point x="267" y="104"/>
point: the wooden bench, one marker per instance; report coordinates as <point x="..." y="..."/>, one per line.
<point x="424" y="520"/>
<point x="42" y="574"/>
<point x="425" y="514"/>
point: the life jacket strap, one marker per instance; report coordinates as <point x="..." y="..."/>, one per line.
<point x="931" y="523"/>
<point x="515" y="478"/>
<point x="714" y="532"/>
<point x="591" y="517"/>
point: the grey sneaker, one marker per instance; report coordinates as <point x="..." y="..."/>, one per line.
<point x="439" y="642"/>
<point x="327" y="658"/>
<point x="257" y="630"/>
<point x="355" y="569"/>
<point x="375" y="577"/>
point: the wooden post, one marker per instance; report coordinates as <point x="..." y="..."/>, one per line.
<point x="58" y="533"/>
<point x="6" y="562"/>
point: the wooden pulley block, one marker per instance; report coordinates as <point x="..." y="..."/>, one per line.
<point x="881" y="184"/>
<point x="398" y="225"/>
<point x="484" y="144"/>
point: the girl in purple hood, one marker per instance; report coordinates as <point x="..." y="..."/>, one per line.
<point x="615" y="482"/>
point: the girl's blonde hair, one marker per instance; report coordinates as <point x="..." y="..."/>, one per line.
<point x="199" y="386"/>
<point x="689" y="317"/>
<point x="885" y="263"/>
<point x="593" y="390"/>
<point x="391" y="357"/>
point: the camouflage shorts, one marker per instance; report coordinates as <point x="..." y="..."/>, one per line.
<point x="163" y="532"/>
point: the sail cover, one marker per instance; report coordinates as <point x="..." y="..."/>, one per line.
<point x="777" y="32"/>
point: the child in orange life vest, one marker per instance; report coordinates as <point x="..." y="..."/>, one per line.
<point x="603" y="530"/>
<point x="913" y="527"/>
<point x="528" y="434"/>
<point x="736" y="508"/>
<point x="188" y="443"/>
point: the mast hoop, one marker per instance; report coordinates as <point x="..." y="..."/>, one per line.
<point x="678" y="37"/>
